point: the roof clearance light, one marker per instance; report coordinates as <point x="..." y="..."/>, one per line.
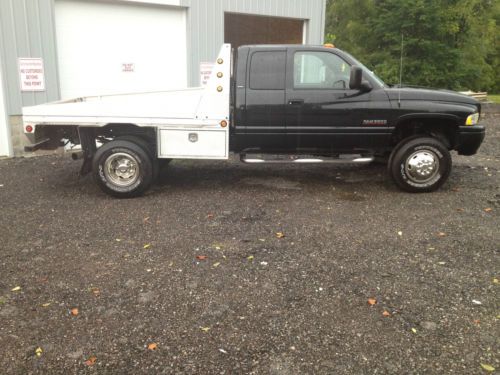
<point x="329" y="45"/>
<point x="223" y="123"/>
<point x="29" y="129"/>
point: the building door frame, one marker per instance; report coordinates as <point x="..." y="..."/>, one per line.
<point x="5" y="136"/>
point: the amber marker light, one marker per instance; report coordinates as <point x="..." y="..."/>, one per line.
<point x="223" y="123"/>
<point x="329" y="45"/>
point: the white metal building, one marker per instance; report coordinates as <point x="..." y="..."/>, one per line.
<point x="60" y="49"/>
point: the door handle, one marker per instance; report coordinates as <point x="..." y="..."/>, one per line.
<point x="296" y="102"/>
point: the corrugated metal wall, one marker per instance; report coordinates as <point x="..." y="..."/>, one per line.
<point x="206" y="23"/>
<point x="27" y="30"/>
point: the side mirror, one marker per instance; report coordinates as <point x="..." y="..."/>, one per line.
<point x="366" y="86"/>
<point x="356" y="80"/>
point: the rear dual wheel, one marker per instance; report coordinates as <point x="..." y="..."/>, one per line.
<point x="420" y="164"/>
<point x="159" y="165"/>
<point x="123" y="168"/>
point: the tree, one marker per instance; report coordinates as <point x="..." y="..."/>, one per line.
<point x="447" y="43"/>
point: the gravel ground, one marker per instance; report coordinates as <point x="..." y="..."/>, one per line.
<point x="251" y="303"/>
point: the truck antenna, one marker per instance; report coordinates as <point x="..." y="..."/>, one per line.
<point x="401" y="71"/>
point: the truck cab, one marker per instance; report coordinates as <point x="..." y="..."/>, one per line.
<point x="304" y="99"/>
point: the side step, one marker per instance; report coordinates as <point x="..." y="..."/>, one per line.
<point x="342" y="159"/>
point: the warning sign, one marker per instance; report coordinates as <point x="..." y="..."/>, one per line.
<point x="31" y="74"/>
<point x="128" y="67"/>
<point x="205" y="72"/>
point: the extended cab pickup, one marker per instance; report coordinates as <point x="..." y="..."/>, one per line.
<point x="311" y="103"/>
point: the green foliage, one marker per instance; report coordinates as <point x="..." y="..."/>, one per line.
<point x="447" y="43"/>
<point x="494" y="98"/>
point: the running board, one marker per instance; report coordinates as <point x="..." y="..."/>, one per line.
<point x="342" y="160"/>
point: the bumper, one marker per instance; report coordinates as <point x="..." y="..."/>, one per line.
<point x="469" y="139"/>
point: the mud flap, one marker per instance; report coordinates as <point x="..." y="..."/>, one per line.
<point x="87" y="140"/>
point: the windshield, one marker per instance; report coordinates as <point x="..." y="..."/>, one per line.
<point x="366" y="70"/>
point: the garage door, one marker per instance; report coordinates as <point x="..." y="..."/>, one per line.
<point x="240" y="29"/>
<point x="110" y="47"/>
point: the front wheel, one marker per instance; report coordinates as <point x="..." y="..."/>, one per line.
<point x="420" y="165"/>
<point x="123" y="169"/>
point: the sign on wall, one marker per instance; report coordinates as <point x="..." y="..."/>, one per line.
<point x="205" y="72"/>
<point x="128" y="67"/>
<point x="31" y="74"/>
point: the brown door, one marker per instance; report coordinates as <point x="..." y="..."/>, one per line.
<point x="242" y="29"/>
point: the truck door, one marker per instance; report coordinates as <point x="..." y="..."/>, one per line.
<point x="264" y="114"/>
<point x="322" y="113"/>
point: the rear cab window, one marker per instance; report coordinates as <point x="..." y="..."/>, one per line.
<point x="267" y="70"/>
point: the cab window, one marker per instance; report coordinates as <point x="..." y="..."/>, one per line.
<point x="320" y="70"/>
<point x="267" y="70"/>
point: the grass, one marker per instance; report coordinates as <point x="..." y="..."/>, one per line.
<point x="494" y="98"/>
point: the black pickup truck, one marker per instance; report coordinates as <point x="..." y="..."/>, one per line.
<point x="270" y="104"/>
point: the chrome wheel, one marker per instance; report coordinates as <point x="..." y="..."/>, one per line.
<point x="121" y="169"/>
<point x="422" y="166"/>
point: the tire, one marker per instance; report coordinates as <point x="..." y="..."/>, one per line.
<point x="420" y="164"/>
<point x="396" y="149"/>
<point x="135" y="175"/>
<point x="146" y="147"/>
